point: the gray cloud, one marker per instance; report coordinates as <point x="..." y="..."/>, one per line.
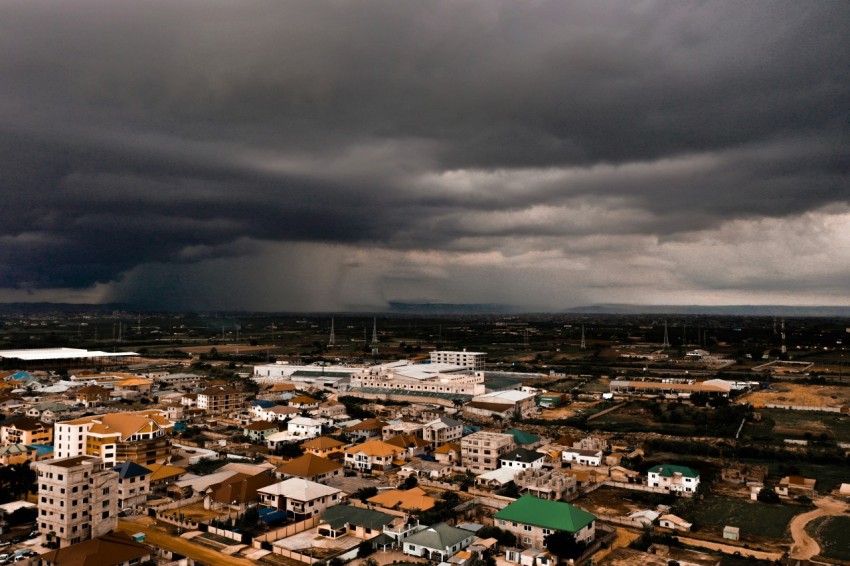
<point x="167" y="134"/>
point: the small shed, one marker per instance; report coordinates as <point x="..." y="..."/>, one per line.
<point x="731" y="533"/>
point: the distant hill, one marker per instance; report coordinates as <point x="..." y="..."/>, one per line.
<point x="737" y="310"/>
<point x="47" y="308"/>
<point x="453" y="308"/>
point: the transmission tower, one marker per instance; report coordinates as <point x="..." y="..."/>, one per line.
<point x="375" y="330"/>
<point x="666" y="343"/>
<point x="332" y="338"/>
<point x="784" y="348"/>
<point x="583" y="344"/>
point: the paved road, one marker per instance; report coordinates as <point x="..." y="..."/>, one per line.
<point x="158" y="536"/>
<point x="805" y="546"/>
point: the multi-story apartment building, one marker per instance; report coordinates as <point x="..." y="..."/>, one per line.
<point x="76" y="499"/>
<point x="221" y="399"/>
<point x="469" y="360"/>
<point x="480" y="451"/>
<point x="27" y="431"/>
<point x="442" y="430"/>
<point x="142" y="437"/>
<point x="134" y="484"/>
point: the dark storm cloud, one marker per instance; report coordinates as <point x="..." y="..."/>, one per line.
<point x="133" y="133"/>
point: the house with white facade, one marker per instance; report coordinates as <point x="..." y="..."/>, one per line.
<point x="300" y="498"/>
<point x="582" y="456"/>
<point x="521" y="459"/>
<point x="673" y="478"/>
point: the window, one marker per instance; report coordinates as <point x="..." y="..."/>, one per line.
<point x="526" y="528"/>
<point x="105" y="515"/>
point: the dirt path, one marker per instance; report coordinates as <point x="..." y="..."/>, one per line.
<point x="805" y="546"/>
<point x="730" y="549"/>
<point x="157" y="536"/>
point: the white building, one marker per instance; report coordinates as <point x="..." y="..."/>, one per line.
<point x="440" y="379"/>
<point x="442" y="430"/>
<point x="673" y="478"/>
<point x="469" y="360"/>
<point x="300" y="498"/>
<point x="582" y="456"/>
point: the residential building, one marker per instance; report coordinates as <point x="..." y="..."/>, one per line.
<point x="17" y="454"/>
<point x="76" y="499"/>
<point x="238" y="492"/>
<point x="364" y="430"/>
<point x="221" y="399"/>
<point x="501" y="403"/>
<point x="142" y="437"/>
<point x="442" y="430"/>
<point x="468" y="360"/>
<point x="373" y="456"/>
<point x="521" y="459"/>
<point x="409" y="500"/>
<point x="673" y="478"/>
<point x="449" y="453"/>
<point x="553" y="485"/>
<point x="525" y="439"/>
<point x="794" y="486"/>
<point x="323" y="446"/>
<point x="258" y="431"/>
<point x="581" y="456"/>
<point x="480" y="451"/>
<point x="25" y="430"/>
<point x="310" y="467"/>
<point x="438" y="542"/>
<point x="92" y="395"/>
<point x="304" y="403"/>
<point x="134" y="484"/>
<point x="274" y="413"/>
<point x="670" y="521"/>
<point x="532" y="519"/>
<point x="300" y="498"/>
<point x="305" y="427"/>
<point x="398" y="427"/>
<point x="341" y="520"/>
<point x="114" y="549"/>
<point x="413" y="445"/>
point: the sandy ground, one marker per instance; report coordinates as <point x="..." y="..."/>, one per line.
<point x="805" y="546"/>
<point x="797" y="394"/>
<point x="158" y="536"/>
<point x="730" y="549"/>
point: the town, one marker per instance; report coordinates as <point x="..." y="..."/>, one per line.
<point x="471" y="440"/>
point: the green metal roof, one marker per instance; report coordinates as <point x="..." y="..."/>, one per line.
<point x="341" y="515"/>
<point x="667" y="471"/>
<point x="522" y="437"/>
<point x="556" y="515"/>
<point x="439" y="537"/>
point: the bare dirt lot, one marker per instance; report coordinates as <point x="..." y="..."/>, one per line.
<point x="798" y="394"/>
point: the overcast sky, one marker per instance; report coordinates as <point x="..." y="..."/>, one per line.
<point x="318" y="155"/>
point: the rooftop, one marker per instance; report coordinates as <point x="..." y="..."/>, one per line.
<point x="555" y="515"/>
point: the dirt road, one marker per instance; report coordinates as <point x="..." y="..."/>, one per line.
<point x="730" y="549"/>
<point x="805" y="546"/>
<point x="158" y="536"/>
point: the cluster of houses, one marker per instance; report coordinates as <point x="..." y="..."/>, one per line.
<point x="303" y="462"/>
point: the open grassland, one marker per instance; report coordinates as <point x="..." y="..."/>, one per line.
<point x="803" y="425"/>
<point x="755" y="519"/>
<point x="833" y="536"/>
<point x="799" y="394"/>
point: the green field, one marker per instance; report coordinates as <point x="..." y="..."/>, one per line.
<point x="832" y="535"/>
<point x="753" y="518"/>
<point x="778" y="424"/>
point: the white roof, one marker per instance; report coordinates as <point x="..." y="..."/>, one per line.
<point x="307" y="421"/>
<point x="501" y="475"/>
<point x="13" y="506"/>
<point x="60" y="354"/>
<point x="299" y="489"/>
<point x="200" y="483"/>
<point x="511" y="395"/>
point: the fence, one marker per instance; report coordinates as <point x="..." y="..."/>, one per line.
<point x="286" y="531"/>
<point x="807" y="408"/>
<point x="232" y="535"/>
<point x="177" y="504"/>
<point x="647" y="488"/>
<point x="605" y="412"/>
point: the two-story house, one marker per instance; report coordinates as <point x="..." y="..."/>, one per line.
<point x="300" y="498"/>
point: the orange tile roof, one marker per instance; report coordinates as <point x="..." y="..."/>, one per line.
<point x="322" y="443"/>
<point x="307" y="466"/>
<point x="375" y="448"/>
<point x="411" y="500"/>
<point x="448" y="447"/>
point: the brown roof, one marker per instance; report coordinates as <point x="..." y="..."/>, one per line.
<point x="407" y="441"/>
<point x="322" y="443"/>
<point x="410" y="500"/>
<point x="303" y="400"/>
<point x="448" y="447"/>
<point x="495" y="407"/>
<point x="241" y="488"/>
<point x="368" y="424"/>
<point x="26" y="423"/>
<point x="375" y="448"/>
<point x="73" y="461"/>
<point x="164" y="471"/>
<point x="307" y="466"/>
<point x="106" y="550"/>
<point x="283" y="387"/>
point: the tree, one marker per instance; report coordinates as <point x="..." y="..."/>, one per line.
<point x="564" y="545"/>
<point x="768" y="495"/>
